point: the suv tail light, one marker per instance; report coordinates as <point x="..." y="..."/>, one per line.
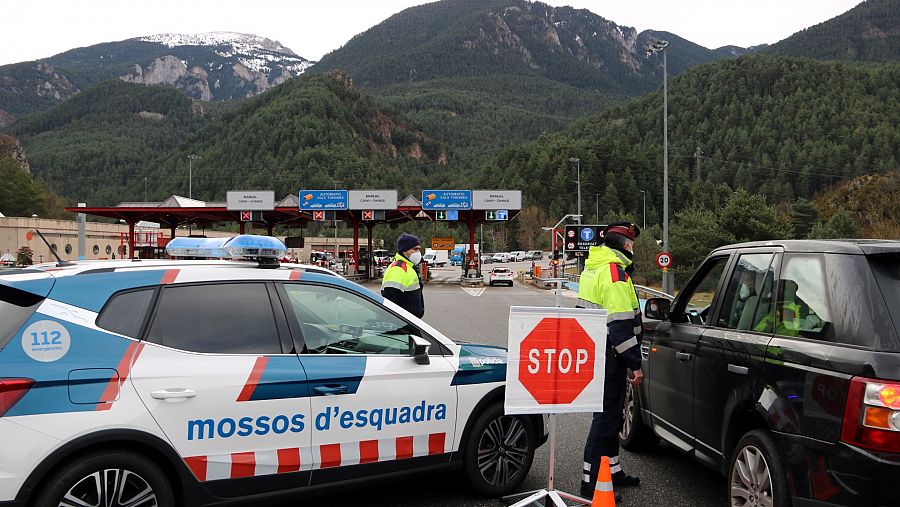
<point x="872" y="415"/>
<point x="11" y="391"/>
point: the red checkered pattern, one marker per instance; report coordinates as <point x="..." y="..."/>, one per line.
<point x="282" y="461"/>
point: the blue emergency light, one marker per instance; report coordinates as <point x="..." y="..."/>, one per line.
<point x="238" y="247"/>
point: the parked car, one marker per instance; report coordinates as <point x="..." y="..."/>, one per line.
<point x="501" y="257"/>
<point x="500" y="275"/>
<point x="517" y="256"/>
<point x="534" y="255"/>
<point x="487" y="258"/>
<point x="778" y="364"/>
<point x="168" y="382"/>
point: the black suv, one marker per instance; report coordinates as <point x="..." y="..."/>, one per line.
<point x="779" y="365"/>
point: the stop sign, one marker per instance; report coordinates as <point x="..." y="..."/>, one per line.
<point x="556" y="361"/>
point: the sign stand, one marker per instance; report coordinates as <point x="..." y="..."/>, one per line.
<point x="550" y="495"/>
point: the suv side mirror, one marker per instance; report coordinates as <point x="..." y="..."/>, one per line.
<point x="418" y="349"/>
<point x="657" y="308"/>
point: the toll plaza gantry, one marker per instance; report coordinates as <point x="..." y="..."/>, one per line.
<point x="367" y="208"/>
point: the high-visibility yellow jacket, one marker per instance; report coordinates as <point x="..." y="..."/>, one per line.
<point x="402" y="286"/>
<point x="605" y="284"/>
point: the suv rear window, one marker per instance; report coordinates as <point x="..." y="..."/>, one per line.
<point x="16" y="306"/>
<point x="887" y="275"/>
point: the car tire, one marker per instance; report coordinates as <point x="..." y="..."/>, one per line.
<point x="498" y="452"/>
<point x="87" y="477"/>
<point x="757" y="470"/>
<point x="635" y="435"/>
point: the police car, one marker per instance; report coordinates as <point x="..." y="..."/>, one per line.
<point x="176" y="382"/>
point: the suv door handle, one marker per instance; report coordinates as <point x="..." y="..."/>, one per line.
<point x="645" y="351"/>
<point x="683" y="356"/>
<point x="176" y="393"/>
<point x="331" y="389"/>
<point x="740" y="370"/>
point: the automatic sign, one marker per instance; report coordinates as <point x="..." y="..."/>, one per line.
<point x="556" y="360"/>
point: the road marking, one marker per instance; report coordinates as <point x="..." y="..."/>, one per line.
<point x="474" y="291"/>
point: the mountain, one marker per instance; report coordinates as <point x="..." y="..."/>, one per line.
<point x="483" y="75"/>
<point x="105" y="144"/>
<point x="868" y="32"/>
<point x="95" y="142"/>
<point x="209" y="66"/>
<point x="777" y="126"/>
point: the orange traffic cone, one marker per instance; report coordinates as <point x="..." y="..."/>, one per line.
<point x="603" y="491"/>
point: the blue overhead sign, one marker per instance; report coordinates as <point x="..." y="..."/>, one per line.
<point x="323" y="199"/>
<point x="447" y="199"/>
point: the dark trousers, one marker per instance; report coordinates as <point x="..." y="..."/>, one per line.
<point x="603" y="438"/>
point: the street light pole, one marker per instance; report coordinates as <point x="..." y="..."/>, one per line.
<point x="659" y="46"/>
<point x="644" y="196"/>
<point x="578" y="172"/>
<point x="145" y="189"/>
<point x="598" y="208"/>
<point x="191" y="159"/>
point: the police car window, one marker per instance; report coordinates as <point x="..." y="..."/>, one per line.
<point x="125" y="312"/>
<point x="748" y="296"/>
<point x="802" y="307"/>
<point x="16" y="306"/>
<point x="334" y="321"/>
<point x="232" y="318"/>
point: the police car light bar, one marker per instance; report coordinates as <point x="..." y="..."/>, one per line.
<point x="237" y="247"/>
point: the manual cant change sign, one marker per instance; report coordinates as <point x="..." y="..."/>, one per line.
<point x="556" y="360"/>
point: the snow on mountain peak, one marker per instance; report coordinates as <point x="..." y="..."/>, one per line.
<point x="254" y="52"/>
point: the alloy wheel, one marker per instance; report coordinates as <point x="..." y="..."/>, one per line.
<point x="110" y="488"/>
<point x="627" y="412"/>
<point x="502" y="450"/>
<point x="751" y="480"/>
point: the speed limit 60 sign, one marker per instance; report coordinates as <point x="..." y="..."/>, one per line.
<point x="664" y="260"/>
<point x="556" y="360"/>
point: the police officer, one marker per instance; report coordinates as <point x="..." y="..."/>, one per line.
<point x="606" y="283"/>
<point x="401" y="282"/>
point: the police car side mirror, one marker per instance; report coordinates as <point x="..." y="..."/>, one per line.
<point x="657" y="308"/>
<point x="418" y="348"/>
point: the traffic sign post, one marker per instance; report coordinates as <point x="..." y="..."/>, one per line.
<point x="556" y="363"/>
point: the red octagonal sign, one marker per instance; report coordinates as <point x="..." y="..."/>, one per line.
<point x="556" y="361"/>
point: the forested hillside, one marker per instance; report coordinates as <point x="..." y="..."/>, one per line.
<point x="781" y="127"/>
<point x="870" y="32"/>
<point x="91" y="146"/>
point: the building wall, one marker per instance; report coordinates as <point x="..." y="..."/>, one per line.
<point x="107" y="236"/>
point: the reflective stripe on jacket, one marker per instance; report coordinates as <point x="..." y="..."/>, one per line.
<point x="605" y="284"/>
<point x="402" y="286"/>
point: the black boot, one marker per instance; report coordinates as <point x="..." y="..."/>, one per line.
<point x="620" y="480"/>
<point x="587" y="492"/>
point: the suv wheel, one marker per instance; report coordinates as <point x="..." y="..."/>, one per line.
<point x="756" y="476"/>
<point x="108" y="479"/>
<point x="499" y="452"/>
<point x="635" y="435"/>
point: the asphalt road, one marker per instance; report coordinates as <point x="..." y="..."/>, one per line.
<point x="668" y="477"/>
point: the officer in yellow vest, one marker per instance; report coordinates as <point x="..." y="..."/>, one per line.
<point x="401" y="282"/>
<point x="605" y="283"/>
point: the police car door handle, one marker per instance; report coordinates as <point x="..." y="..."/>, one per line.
<point x="683" y="356"/>
<point x="173" y="394"/>
<point x="740" y="370"/>
<point x="330" y="389"/>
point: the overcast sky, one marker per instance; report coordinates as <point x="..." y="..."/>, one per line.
<point x="41" y="28"/>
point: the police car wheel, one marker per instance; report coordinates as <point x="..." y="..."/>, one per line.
<point x="757" y="475"/>
<point x="499" y="452"/>
<point x="108" y="479"/>
<point x="635" y="435"/>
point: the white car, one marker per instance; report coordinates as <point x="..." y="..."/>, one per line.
<point x="500" y="257"/>
<point x="534" y="255"/>
<point x="200" y="382"/>
<point x="500" y="275"/>
<point x="517" y="256"/>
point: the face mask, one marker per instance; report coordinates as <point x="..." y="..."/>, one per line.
<point x="745" y="292"/>
<point x="416" y="258"/>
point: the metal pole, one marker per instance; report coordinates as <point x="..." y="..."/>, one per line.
<point x="598" y="208"/>
<point x="666" y="279"/>
<point x="644" y="195"/>
<point x="81" y="217"/>
<point x="578" y="169"/>
<point x="190" y="177"/>
<point x="145" y="189"/>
